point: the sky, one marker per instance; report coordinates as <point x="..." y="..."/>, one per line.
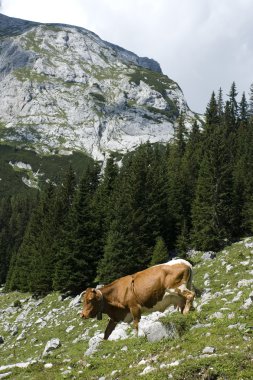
<point x="201" y="44"/>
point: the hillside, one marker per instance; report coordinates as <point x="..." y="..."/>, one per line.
<point x="212" y="342"/>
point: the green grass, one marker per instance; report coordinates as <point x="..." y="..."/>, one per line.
<point x="27" y="73"/>
<point x="232" y="359"/>
<point x="157" y="81"/>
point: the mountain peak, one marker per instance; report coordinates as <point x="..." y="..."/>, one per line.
<point x="63" y="88"/>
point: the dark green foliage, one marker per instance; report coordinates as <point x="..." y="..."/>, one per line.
<point x="212" y="211"/>
<point x="51" y="167"/>
<point x="212" y="112"/>
<point x="160" y="253"/>
<point x="14" y="215"/>
<point x="79" y="250"/>
<point x="138" y="215"/>
<point x="251" y="101"/>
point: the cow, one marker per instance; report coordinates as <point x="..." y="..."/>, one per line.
<point x="152" y="289"/>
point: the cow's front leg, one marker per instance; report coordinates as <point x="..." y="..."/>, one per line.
<point x="136" y="313"/>
<point x="109" y="328"/>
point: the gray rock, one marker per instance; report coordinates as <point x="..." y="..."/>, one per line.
<point x="70" y="328"/>
<point x="217" y="315"/>
<point x="120" y="332"/>
<point x="147" y="370"/>
<point x="249" y="245"/>
<point x="208" y="350"/>
<point x="244" y="283"/>
<point x="14" y="330"/>
<point x="10" y="310"/>
<point x="210" y="255"/>
<point x="247" y="304"/>
<point x="75" y="301"/>
<point x="5" y="375"/>
<point x="94" y="342"/>
<point x="51" y="345"/>
<point x="237" y="297"/>
<point x="22" y="336"/>
<point x="156" y="331"/>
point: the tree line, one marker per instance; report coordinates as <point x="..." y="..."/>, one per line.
<point x="195" y="192"/>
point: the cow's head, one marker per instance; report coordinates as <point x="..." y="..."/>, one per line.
<point x="189" y="297"/>
<point x="92" y="303"/>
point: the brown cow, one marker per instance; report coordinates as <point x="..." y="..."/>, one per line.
<point x="152" y="289"/>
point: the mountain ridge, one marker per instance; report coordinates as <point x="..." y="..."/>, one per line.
<point x="63" y="90"/>
<point x="45" y="60"/>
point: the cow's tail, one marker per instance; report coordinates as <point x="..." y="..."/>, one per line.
<point x="189" y="282"/>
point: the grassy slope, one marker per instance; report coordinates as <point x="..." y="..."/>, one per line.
<point x="233" y="358"/>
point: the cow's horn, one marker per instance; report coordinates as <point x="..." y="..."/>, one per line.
<point x="82" y="293"/>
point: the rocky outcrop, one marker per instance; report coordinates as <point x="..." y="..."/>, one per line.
<point x="62" y="89"/>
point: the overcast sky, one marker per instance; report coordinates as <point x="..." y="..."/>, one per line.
<point x="201" y="44"/>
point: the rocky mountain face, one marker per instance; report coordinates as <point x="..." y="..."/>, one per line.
<point x="63" y="89"/>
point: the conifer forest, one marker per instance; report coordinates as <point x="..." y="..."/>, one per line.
<point x="141" y="209"/>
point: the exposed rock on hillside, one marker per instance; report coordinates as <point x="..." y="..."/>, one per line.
<point x="62" y="88"/>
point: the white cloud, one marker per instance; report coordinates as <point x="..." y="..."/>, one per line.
<point x="201" y="44"/>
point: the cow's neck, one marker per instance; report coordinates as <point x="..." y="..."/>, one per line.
<point x="110" y="302"/>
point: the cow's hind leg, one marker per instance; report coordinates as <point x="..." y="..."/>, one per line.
<point x="109" y="328"/>
<point x="136" y="313"/>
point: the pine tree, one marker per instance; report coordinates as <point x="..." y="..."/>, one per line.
<point x="177" y="191"/>
<point x="243" y="109"/>
<point x="21" y="209"/>
<point x="220" y="104"/>
<point x="42" y="258"/>
<point x="80" y="249"/>
<point x="251" y="101"/>
<point x="183" y="239"/>
<point x="5" y="237"/>
<point x="211" y="213"/>
<point x="233" y="104"/>
<point x="160" y="253"/>
<point x="139" y="213"/>
<point x="212" y="112"/>
<point x="19" y="276"/>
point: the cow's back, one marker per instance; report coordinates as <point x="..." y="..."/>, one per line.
<point x="153" y="284"/>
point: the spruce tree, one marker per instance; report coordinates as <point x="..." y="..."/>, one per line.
<point x="233" y="103"/>
<point x="243" y="109"/>
<point x="19" y="276"/>
<point x="160" y="253"/>
<point x="80" y="248"/>
<point x="212" y="112"/>
<point x="251" y="101"/>
<point x="5" y="237"/>
<point x="220" y="104"/>
<point x="211" y="213"/>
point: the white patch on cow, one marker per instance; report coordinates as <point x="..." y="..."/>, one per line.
<point x="170" y="298"/>
<point x="178" y="261"/>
